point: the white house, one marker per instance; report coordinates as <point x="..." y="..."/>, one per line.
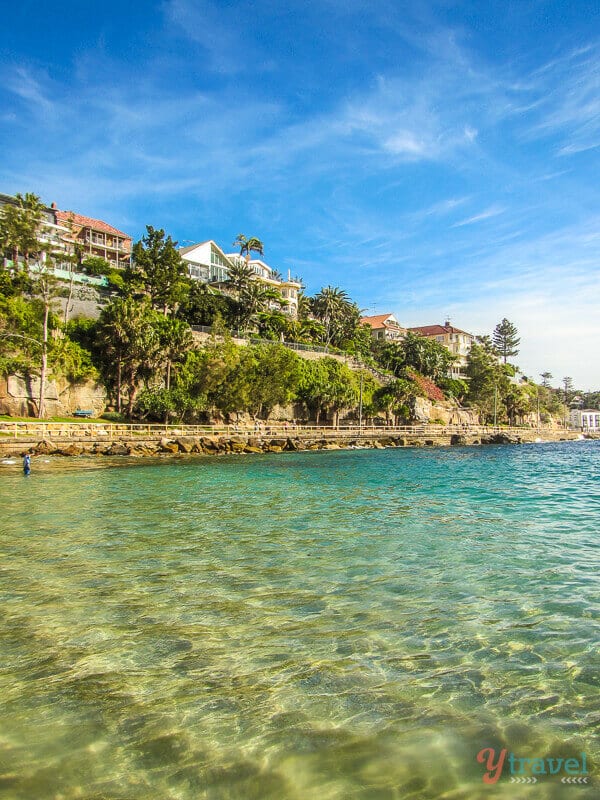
<point x="208" y="263"/>
<point x="586" y="419"/>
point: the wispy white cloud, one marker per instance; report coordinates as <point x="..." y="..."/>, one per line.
<point x="568" y="107"/>
<point x="492" y="211"/>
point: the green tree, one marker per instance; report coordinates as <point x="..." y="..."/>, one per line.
<point x="274" y="377"/>
<point x="204" y="303"/>
<point x="546" y="378"/>
<point x="129" y="340"/>
<point x="488" y="382"/>
<point x="427" y="356"/>
<point x="21" y="224"/>
<point x="255" y="299"/>
<point x="275" y="325"/>
<point x="505" y="339"/>
<point x="395" y="399"/>
<point x="331" y="306"/>
<point x="175" y="339"/>
<point x="326" y="387"/>
<point x="95" y="265"/>
<point x="46" y="289"/>
<point x="158" y="270"/>
<point x="567" y="383"/>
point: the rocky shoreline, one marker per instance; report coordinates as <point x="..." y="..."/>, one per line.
<point x="255" y="444"/>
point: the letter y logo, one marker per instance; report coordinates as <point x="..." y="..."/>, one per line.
<point x="494" y="770"/>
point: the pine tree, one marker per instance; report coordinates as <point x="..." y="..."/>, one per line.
<point x="505" y="339"/>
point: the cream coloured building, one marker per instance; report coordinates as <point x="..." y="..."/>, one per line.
<point x="457" y="341"/>
<point x="384" y="327"/>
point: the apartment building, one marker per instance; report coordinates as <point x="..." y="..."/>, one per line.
<point x="457" y="341"/>
<point x="94" y="237"/>
<point x="60" y="231"/>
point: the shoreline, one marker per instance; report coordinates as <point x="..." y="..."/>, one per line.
<point x="157" y="446"/>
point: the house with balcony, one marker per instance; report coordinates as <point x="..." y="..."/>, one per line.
<point x="206" y="262"/>
<point x="384" y="327"/>
<point x="94" y="237"/>
<point x="457" y="341"/>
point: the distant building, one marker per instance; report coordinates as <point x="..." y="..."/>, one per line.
<point x="60" y="231"/>
<point x="457" y="341"/>
<point x="587" y="419"/>
<point x="206" y="262"/>
<point x="384" y="327"/>
<point x="95" y="237"/>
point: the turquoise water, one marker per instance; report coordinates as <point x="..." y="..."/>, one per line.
<point x="327" y="625"/>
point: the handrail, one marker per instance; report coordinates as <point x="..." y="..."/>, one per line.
<point x="110" y="430"/>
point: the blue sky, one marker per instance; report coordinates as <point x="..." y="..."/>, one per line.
<point x="432" y="158"/>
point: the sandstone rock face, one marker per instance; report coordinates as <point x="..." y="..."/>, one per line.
<point x="19" y="396"/>
<point x="187" y="443"/>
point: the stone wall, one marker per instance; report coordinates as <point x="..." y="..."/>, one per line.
<point x="144" y="445"/>
<point x="19" y="396"/>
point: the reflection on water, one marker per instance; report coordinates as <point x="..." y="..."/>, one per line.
<point x="318" y="625"/>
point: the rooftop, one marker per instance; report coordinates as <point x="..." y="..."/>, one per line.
<point x="438" y="330"/>
<point x="379" y="320"/>
<point x="67" y="217"/>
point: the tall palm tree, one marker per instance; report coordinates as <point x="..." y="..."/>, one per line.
<point x="248" y="245"/>
<point x="240" y="278"/>
<point x="256" y="299"/>
<point x="331" y="306"/>
<point x="175" y="339"/>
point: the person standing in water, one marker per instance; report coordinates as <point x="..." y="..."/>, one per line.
<point x="26" y="464"/>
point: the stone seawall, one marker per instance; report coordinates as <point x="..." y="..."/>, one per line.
<point x="220" y="445"/>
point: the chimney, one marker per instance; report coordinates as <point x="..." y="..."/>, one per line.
<point x="54" y="207"/>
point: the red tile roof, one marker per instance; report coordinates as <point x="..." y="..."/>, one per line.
<point x="65" y="217"/>
<point x="437" y="330"/>
<point x="376" y="322"/>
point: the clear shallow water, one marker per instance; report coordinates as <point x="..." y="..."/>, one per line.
<point x="326" y="625"/>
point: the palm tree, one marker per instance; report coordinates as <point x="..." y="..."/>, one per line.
<point x="240" y="277"/>
<point x="255" y="299"/>
<point x="248" y="245"/>
<point x="331" y="306"/>
<point x="175" y="337"/>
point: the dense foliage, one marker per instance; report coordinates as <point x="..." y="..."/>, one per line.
<point x="143" y="350"/>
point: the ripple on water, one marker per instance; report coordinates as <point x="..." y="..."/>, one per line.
<point x="334" y="625"/>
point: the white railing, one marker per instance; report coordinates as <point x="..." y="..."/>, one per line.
<point x="99" y="430"/>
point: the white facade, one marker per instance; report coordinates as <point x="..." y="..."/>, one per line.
<point x="587" y="419"/>
<point x="209" y="264"/>
<point x="206" y="262"/>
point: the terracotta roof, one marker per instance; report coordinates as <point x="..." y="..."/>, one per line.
<point x="376" y="322"/>
<point x="437" y="330"/>
<point x="65" y="217"/>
